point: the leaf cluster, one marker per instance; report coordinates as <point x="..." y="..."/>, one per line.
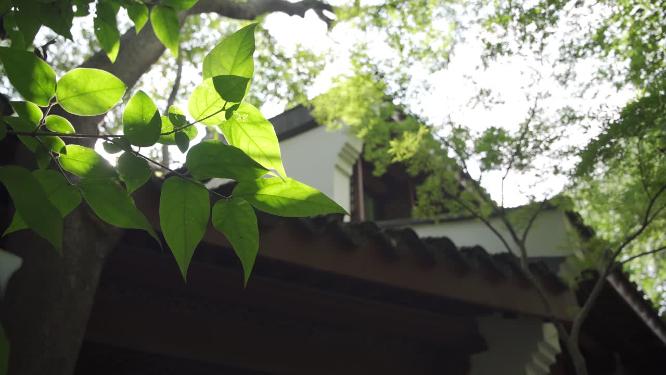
<point x="68" y="174"/>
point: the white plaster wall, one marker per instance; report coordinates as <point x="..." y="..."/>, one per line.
<point x="321" y="158"/>
<point x="550" y="234"/>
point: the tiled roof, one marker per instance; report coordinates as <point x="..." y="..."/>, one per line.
<point x="293" y="122"/>
<point x="404" y="242"/>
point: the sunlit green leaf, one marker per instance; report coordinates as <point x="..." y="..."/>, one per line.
<point x="287" y="197"/>
<point x="233" y="55"/>
<point x="166" y="26"/>
<point x="59" y="124"/>
<point x="206" y="105"/>
<point x="179" y="4"/>
<point x="60" y="193"/>
<point x="248" y="130"/>
<point x="89" y="92"/>
<point x="215" y="159"/>
<point x="236" y="219"/>
<point x="28" y="111"/>
<point x="112" y="204"/>
<point x="141" y="120"/>
<point x="133" y="170"/>
<point x="85" y="162"/>
<point x="138" y="13"/>
<point x="184" y="214"/>
<point x="106" y="29"/>
<point x="30" y="75"/>
<point x="32" y="203"/>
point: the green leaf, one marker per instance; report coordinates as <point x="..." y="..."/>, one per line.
<point x="184" y="213"/>
<point x="59" y="124"/>
<point x="232" y="56"/>
<point x="230" y="111"/>
<point x="27" y="23"/>
<point x="138" y="13"/>
<point x="251" y="132"/>
<point x="141" y="120"/>
<point x="89" y="92"/>
<point x="231" y="88"/>
<point x="32" y="203"/>
<point x="118" y="144"/>
<point x="31" y="76"/>
<point x="42" y="157"/>
<point x="3" y="131"/>
<point x="177" y="117"/>
<point x="133" y="170"/>
<point x="182" y="141"/>
<point x="28" y="111"/>
<point x="85" y="162"/>
<point x="166" y="26"/>
<point x="4" y="352"/>
<point x="179" y="4"/>
<point x="19" y="124"/>
<point x="106" y="29"/>
<point x="236" y="219"/>
<point x="60" y="193"/>
<point x="287" y="197"/>
<point x="53" y="144"/>
<point x="170" y="139"/>
<point x="206" y="105"/>
<point x="10" y="25"/>
<point x="81" y="7"/>
<point x="58" y="16"/>
<point x="112" y="204"/>
<point x="215" y="159"/>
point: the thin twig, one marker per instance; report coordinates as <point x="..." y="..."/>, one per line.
<point x="62" y="135"/>
<point x="179" y="174"/>
<point x="657" y="250"/>
<point x="224" y="108"/>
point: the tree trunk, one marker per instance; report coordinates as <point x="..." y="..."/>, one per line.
<point x="46" y="308"/>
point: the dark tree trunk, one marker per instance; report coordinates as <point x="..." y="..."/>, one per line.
<point x="48" y="301"/>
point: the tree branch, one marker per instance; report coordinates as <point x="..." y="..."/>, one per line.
<point x="138" y="52"/>
<point x="254" y="8"/>
<point x="654" y="251"/>
<point x="172" y="98"/>
<point x="598" y="286"/>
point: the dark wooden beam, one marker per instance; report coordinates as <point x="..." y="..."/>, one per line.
<point x="143" y="305"/>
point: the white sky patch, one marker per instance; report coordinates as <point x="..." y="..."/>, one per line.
<point x="513" y="82"/>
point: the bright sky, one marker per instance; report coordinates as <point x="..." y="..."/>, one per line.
<point x="452" y="89"/>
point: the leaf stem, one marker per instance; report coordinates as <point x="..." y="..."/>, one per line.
<point x="224" y="108"/>
<point x="62" y="135"/>
<point x="179" y="174"/>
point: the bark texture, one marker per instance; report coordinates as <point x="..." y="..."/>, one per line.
<point x="48" y="303"/>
